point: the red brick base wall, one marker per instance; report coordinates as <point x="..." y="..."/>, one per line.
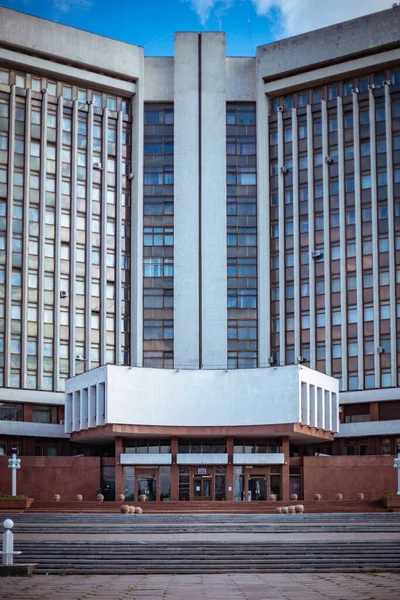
<point x="41" y="477"/>
<point x="374" y="476"/>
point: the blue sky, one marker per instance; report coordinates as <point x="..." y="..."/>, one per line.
<point x="151" y="23"/>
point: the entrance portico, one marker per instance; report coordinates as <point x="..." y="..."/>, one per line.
<point x="202" y="435"/>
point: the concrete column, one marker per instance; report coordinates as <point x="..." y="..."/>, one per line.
<point x="118" y="245"/>
<point x="342" y="224"/>
<point x="281" y="241"/>
<point x="42" y="229"/>
<point x="186" y="201"/>
<point x="311" y="237"/>
<point x="119" y="448"/>
<point x="103" y="248"/>
<point x="359" y="272"/>
<point x="137" y="223"/>
<point x="285" y="471"/>
<point x="374" y="411"/>
<point x="88" y="249"/>
<point x="27" y="409"/>
<point x="174" y="471"/>
<point x="25" y="264"/>
<point x="229" y="470"/>
<point x="327" y="246"/>
<point x="263" y="226"/>
<point x="296" y="238"/>
<point x="57" y="242"/>
<point x="10" y="197"/>
<point x="391" y="224"/>
<point x="213" y="284"/>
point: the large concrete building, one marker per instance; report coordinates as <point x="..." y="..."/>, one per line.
<point x="198" y="252"/>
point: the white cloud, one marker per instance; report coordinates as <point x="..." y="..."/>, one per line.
<point x="204" y="8"/>
<point x="291" y="17"/>
<point x="299" y="16"/>
<point x="65" y="6"/>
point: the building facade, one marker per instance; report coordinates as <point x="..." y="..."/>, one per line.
<point x="202" y="216"/>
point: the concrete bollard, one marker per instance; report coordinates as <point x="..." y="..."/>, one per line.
<point x="284" y="510"/>
<point x="291" y="510"/>
<point x="8" y="544"/>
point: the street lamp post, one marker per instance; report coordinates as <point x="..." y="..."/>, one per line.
<point x="14" y="463"/>
<point x="397" y="466"/>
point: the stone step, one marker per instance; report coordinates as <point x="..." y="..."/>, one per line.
<point x="206" y="507"/>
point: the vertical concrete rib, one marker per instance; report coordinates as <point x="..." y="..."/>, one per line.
<point x="42" y="239"/>
<point x="118" y="244"/>
<point x="103" y="253"/>
<point x="186" y="201"/>
<point x="281" y="197"/>
<point x="359" y="277"/>
<point x="136" y="338"/>
<point x="57" y="244"/>
<point x="25" y="240"/>
<point x="327" y="245"/>
<point x="311" y="238"/>
<point x="89" y="217"/>
<point x="214" y="310"/>
<point x="73" y="220"/>
<point x="392" y="251"/>
<point x="10" y="196"/>
<point x="342" y="237"/>
<point x="296" y="236"/>
<point x="263" y="227"/>
<point x="375" y="238"/>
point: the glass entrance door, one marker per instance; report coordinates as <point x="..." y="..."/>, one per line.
<point x="202" y="488"/>
<point x="257" y="489"/>
<point x="147" y="486"/>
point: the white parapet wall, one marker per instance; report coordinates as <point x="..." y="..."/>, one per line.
<point x="201" y="398"/>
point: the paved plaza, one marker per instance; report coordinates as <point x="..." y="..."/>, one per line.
<point x="334" y="586"/>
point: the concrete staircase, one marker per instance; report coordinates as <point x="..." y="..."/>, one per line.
<point x="205" y="507"/>
<point x="196" y="557"/>
<point x="138" y="544"/>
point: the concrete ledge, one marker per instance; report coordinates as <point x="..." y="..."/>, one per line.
<point x="20" y="570"/>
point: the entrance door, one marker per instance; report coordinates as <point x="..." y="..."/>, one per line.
<point x="202" y="488"/>
<point x="257" y="489"/>
<point x="147" y="485"/>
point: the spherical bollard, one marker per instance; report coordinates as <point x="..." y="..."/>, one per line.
<point x="299" y="508"/>
<point x="278" y="510"/>
<point x="8" y="524"/>
<point x="124" y="508"/>
<point x="317" y="497"/>
<point x="138" y="510"/>
<point x="293" y="497"/>
<point x="291" y="510"/>
<point x="339" y="497"/>
<point x="142" y="498"/>
<point x="284" y="510"/>
<point x="56" y="497"/>
<point x="120" y="497"/>
<point x="100" y="498"/>
<point x="79" y="497"/>
<point x="360" y="496"/>
<point x="131" y="510"/>
<point x="272" y="497"/>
